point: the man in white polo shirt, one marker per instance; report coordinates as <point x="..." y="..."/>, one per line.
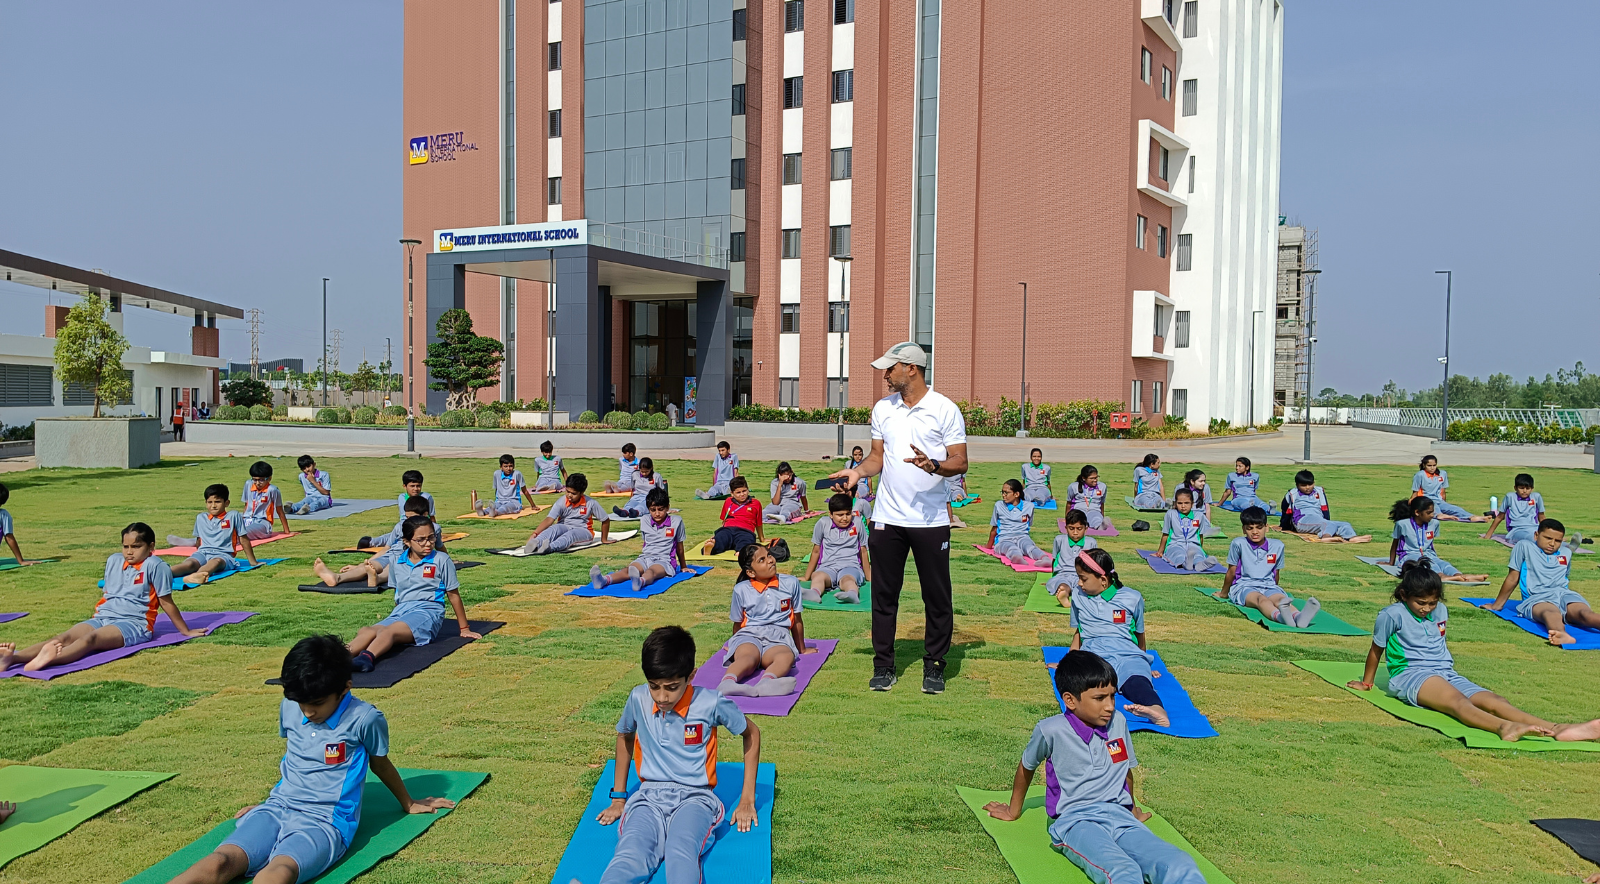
<point x="918" y="439"/>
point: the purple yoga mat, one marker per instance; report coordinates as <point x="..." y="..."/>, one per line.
<point x="165" y="635"/>
<point x="1161" y="566"/>
<point x="989" y="551"/>
<point x="7" y="618"/>
<point x="1106" y="529"/>
<point x="709" y="675"/>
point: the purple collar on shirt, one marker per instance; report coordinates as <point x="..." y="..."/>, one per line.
<point x="1257" y="546"/>
<point x="1086" y="731"/>
<point x="662" y="523"/>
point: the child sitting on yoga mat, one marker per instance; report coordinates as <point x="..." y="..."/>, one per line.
<point x="1148" y="490"/>
<point x="741" y="520"/>
<point x="411" y="486"/>
<point x="838" y="554"/>
<point x="1036" y="479"/>
<point x="955" y="491"/>
<point x="670" y="728"/>
<point x="550" y="473"/>
<point x="647" y="480"/>
<point x="724" y="467"/>
<point x="137" y="586"/>
<point x="1409" y="640"/>
<point x="1010" y="526"/>
<point x="263" y="503"/>
<point x="1240" y="490"/>
<point x="767" y="631"/>
<point x="1183" y="529"/>
<point x="1432" y="482"/>
<point x="424" y="579"/>
<point x="217" y="534"/>
<point x="1089" y="761"/>
<point x="1523" y="510"/>
<point x="661" y="554"/>
<point x="8" y="530"/>
<point x="1542" y="566"/>
<point x="1109" y="620"/>
<point x="1305" y="511"/>
<point x="571" y="520"/>
<point x="1195" y="481"/>
<point x="1414" y="531"/>
<point x="333" y="740"/>
<point x="317" y="486"/>
<point x="1254" y="564"/>
<point x="627" y="470"/>
<point x="372" y="569"/>
<point x="1064" y="556"/>
<point x="1088" y="496"/>
<point x="509" y="491"/>
<point x="788" y="496"/>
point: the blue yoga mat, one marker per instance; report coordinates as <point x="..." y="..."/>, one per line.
<point x="1186" y="720"/>
<point x="1046" y="506"/>
<point x="1162" y="566"/>
<point x="1587" y="639"/>
<point x="178" y="585"/>
<point x="345" y="507"/>
<point x="624" y="590"/>
<point x="745" y="857"/>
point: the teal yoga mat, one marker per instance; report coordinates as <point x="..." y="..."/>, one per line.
<point x="829" y="603"/>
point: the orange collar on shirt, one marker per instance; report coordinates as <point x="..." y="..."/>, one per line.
<point x="682" y="707"/>
<point x="127" y="564"/>
<point x="763" y="585"/>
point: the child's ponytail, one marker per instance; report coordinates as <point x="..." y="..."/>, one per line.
<point x="747" y="554"/>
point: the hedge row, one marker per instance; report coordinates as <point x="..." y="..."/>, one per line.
<point x="1490" y="430"/>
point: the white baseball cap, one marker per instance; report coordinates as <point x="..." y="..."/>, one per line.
<point x="905" y="351"/>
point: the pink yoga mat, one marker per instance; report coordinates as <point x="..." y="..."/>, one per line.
<point x="7" y="618"/>
<point x="989" y="551"/>
<point x="190" y="550"/>
<point x="165" y="635"/>
<point x="1106" y="529"/>
<point x="710" y="673"/>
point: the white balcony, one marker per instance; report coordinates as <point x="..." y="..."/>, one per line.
<point x="1152" y="320"/>
<point x="1152" y="135"/>
<point x="1162" y="17"/>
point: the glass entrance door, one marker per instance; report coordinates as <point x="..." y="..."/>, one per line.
<point x="661" y="352"/>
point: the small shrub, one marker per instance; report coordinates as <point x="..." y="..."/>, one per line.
<point x="658" y="421"/>
<point x="327" y="415"/>
<point x="620" y="420"/>
<point x="641" y="420"/>
<point x="280" y="411"/>
<point x="588" y="417"/>
<point x="395" y="410"/>
<point x="344" y="414"/>
<point x="490" y="419"/>
<point x="259" y="412"/>
<point x="455" y="420"/>
<point x="365" y="416"/>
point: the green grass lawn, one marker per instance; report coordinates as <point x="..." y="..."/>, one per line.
<point x="1305" y="784"/>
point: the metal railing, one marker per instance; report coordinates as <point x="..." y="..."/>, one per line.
<point x="1571" y="418"/>
<point x="644" y="242"/>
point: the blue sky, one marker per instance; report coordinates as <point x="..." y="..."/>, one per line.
<point x="241" y="153"/>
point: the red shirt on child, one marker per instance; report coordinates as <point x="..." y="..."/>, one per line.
<point x="745" y="515"/>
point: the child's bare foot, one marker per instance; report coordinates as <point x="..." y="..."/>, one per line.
<point x="1157" y="715"/>
<point x="1513" y="731"/>
<point x="47" y="655"/>
<point x="322" y="572"/>
<point x="707" y="547"/>
<point x="1571" y="733"/>
<point x="1562" y="637"/>
<point x="8" y="655"/>
<point x="372" y="576"/>
<point x="1361" y="538"/>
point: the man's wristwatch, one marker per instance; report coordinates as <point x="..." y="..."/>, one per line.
<point x="615" y="795"/>
<point x="936" y="466"/>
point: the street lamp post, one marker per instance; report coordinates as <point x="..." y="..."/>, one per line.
<point x="550" y="338"/>
<point x="1022" y="384"/>
<point x="1254" y="368"/>
<point x="411" y="377"/>
<point x="844" y="325"/>
<point x="1444" y="411"/>
<point x="324" y="342"/>
<point x="1311" y="344"/>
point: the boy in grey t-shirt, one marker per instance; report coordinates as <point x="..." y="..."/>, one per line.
<point x="723" y="468"/>
<point x="662" y="553"/>
<point x="1088" y="759"/>
<point x="838" y="554"/>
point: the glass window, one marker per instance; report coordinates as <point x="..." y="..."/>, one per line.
<point x="1191" y="28"/>
<point x="844" y="11"/>
<point x="1185" y="251"/>
<point x="1135" y="403"/>
<point x="794" y="16"/>
<point x="788" y="392"/>
<point x="1191" y="173"/>
<point x="1144" y="64"/>
<point x="791" y="319"/>
<point x="555" y="191"/>
<point x="791" y="168"/>
<point x="1161" y="240"/>
<point x="793" y="88"/>
<point x="839" y="164"/>
<point x="1180" y="329"/>
<point x="740" y="23"/>
<point x="738" y="99"/>
<point x="791" y="243"/>
<point x="555" y="123"/>
<point x="839" y="241"/>
<point x="1164" y="165"/>
<point x="835" y="389"/>
<point x="1180" y="397"/>
<point x="736" y="177"/>
<point x="1155" y="396"/>
<point x="555" y="56"/>
<point x="838" y="316"/>
<point x="736" y="246"/>
<point x="1166" y="83"/>
<point x="1140" y="225"/>
<point x="1191" y="97"/>
<point x="844" y="86"/>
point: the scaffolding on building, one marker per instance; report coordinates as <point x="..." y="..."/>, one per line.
<point x="1291" y="374"/>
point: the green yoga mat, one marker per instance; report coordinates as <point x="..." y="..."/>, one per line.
<point x="52" y="801"/>
<point x="384" y="830"/>
<point x="1338" y="673"/>
<point x="1322" y="624"/>
<point x="1025" y="842"/>
<point x="7" y="563"/>
<point x="1043" y="601"/>
<point x="828" y="602"/>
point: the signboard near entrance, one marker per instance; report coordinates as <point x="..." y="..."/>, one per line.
<point x="512" y="236"/>
<point x="691" y="390"/>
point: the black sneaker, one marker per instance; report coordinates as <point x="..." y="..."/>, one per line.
<point x="883" y="678"/>
<point x="932" y="678"/>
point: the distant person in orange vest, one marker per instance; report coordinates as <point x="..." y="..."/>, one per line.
<point x="177" y="423"/>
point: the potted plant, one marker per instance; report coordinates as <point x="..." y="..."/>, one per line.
<point x="88" y="353"/>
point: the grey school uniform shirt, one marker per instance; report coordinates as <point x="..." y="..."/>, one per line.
<point x="1085" y="779"/>
<point x="660" y="541"/>
<point x="841" y="547"/>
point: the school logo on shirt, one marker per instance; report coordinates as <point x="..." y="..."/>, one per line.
<point x="223" y="524"/>
<point x="783" y="605"/>
<point x="428" y="572"/>
<point x="1119" y="616"/>
<point x="852" y="530"/>
<point x="1441" y="628"/>
<point x="1427" y="535"/>
<point x="694" y="734"/>
<point x="1118" y="750"/>
<point x="1561" y="560"/>
<point x="138" y="578"/>
<point x="333" y="753"/>
<point x="1272" y="558"/>
<point x="669" y="533"/>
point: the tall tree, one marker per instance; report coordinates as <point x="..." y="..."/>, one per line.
<point x="89" y="353"/>
<point x="462" y="362"/>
